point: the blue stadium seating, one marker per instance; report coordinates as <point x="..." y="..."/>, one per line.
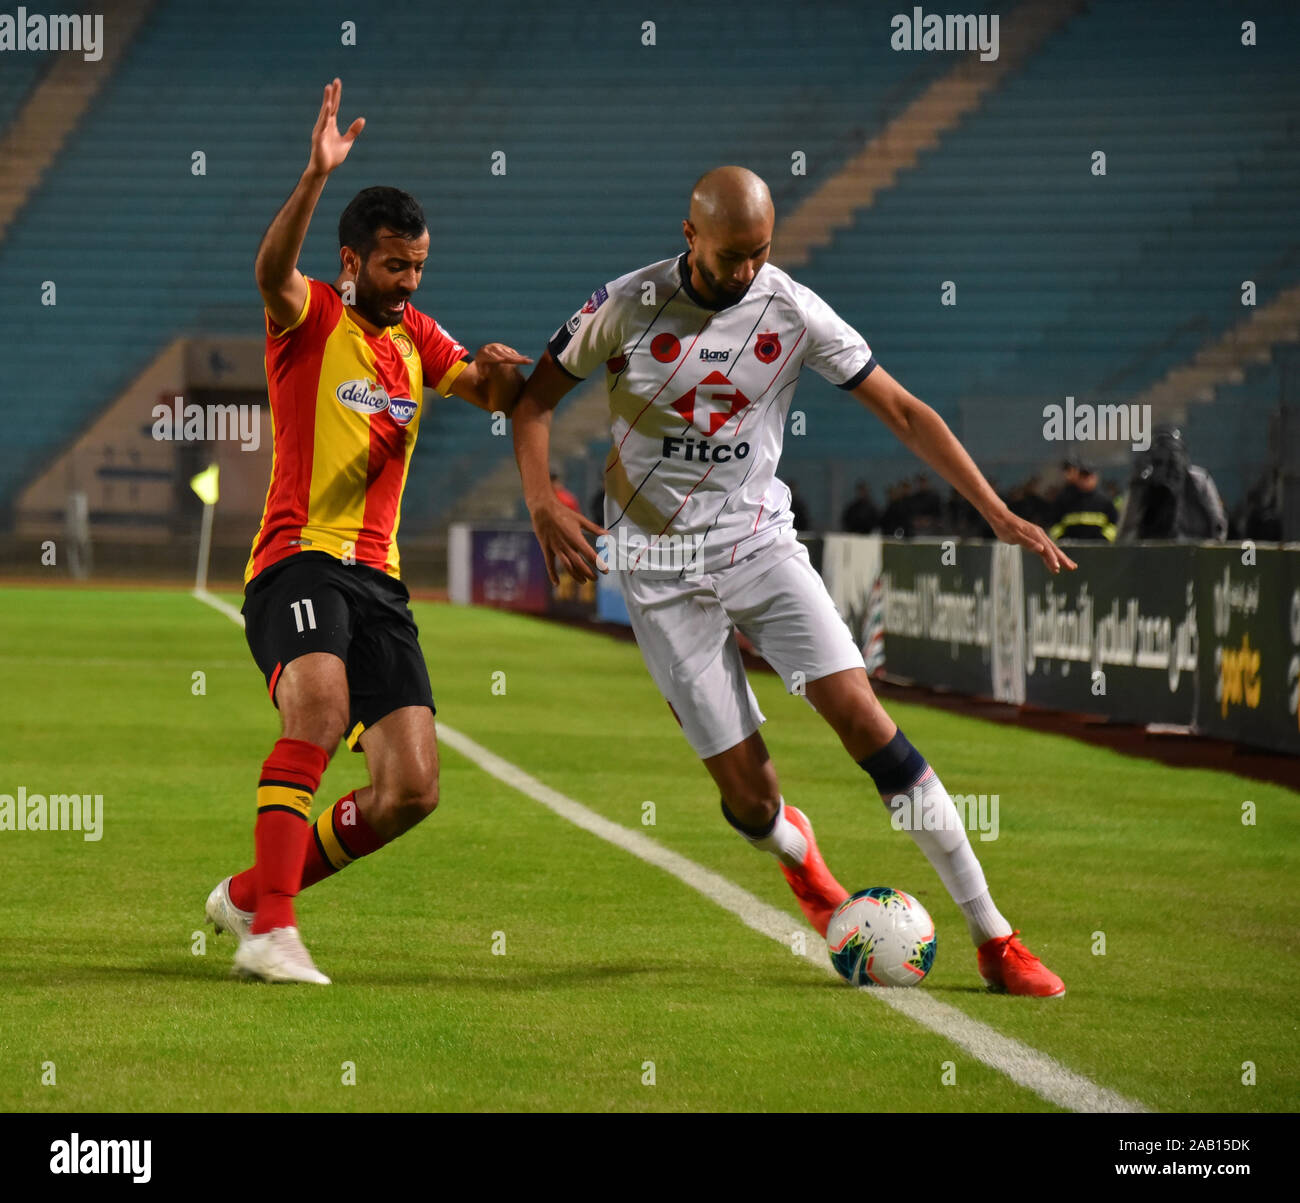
<point x="1069" y="283"/>
<point x="601" y="144"/>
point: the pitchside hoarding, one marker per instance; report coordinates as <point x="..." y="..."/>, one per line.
<point x="936" y="601"/>
<point x="1249" y="603"/>
<point x="1204" y="637"/>
<point x="1117" y="637"/>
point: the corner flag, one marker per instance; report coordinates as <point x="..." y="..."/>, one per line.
<point x="205" y="485"/>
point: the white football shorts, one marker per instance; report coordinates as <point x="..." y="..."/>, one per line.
<point x="686" y="631"/>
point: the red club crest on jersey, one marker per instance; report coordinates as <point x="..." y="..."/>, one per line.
<point x="711" y="404"/>
<point x="665" y="347"/>
<point x="767" y="348"/>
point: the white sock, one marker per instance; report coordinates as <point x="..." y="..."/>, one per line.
<point x="785" y="841"/>
<point x="984" y="919"/>
<point x="927" y="813"/>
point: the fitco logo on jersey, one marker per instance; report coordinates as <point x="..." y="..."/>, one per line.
<point x="708" y="407"/>
<point x="365" y="397"/>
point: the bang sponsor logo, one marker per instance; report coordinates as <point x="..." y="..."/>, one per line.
<point x="402" y="410"/>
<point x="362" y="396"/>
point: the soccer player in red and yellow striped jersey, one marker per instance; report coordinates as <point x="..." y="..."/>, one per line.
<point x="326" y="614"/>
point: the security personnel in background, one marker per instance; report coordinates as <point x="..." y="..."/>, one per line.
<point x="1082" y="510"/>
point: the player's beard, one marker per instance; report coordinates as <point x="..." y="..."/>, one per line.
<point x="722" y="295"/>
<point x="373" y="305"/>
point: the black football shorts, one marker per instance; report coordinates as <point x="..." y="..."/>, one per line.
<point x="311" y="602"/>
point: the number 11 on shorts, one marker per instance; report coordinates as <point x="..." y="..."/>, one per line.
<point x="301" y="607"/>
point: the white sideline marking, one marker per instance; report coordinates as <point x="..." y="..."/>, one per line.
<point x="1024" y="1065"/>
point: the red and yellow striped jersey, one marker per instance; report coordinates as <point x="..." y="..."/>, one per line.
<point x="345" y="409"/>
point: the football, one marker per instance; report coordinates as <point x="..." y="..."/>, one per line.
<point x="881" y="937"/>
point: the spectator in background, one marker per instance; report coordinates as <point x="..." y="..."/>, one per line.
<point x="1259" y="516"/>
<point x="926" y="507"/>
<point x="896" y="521"/>
<point x="1081" y="509"/>
<point x="1169" y="497"/>
<point x="963" y="519"/>
<point x="1026" y="501"/>
<point x="860" y="516"/>
<point x="563" y="494"/>
<point x="799" y="509"/>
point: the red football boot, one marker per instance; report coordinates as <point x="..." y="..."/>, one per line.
<point x="1009" y="967"/>
<point x="817" y="891"/>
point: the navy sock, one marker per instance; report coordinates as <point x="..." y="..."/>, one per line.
<point x="896" y="767"/>
<point x="753" y="833"/>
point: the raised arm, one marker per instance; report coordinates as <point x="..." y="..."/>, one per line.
<point x="924" y="433"/>
<point x="559" y="529"/>
<point x="282" y="285"/>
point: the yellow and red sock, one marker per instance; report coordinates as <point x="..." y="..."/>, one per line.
<point x="289" y="778"/>
<point x="339" y="836"/>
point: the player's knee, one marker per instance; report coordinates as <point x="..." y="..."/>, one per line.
<point x="323" y="726"/>
<point x="411" y="799"/>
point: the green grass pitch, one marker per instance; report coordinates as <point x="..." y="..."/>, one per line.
<point x="609" y="963"/>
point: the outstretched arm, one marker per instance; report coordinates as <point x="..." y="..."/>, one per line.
<point x="492" y="381"/>
<point x="924" y="433"/>
<point x="282" y="285"/>
<point x="559" y="529"/>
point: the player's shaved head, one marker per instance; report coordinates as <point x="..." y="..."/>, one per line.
<point x="729" y="231"/>
<point x="731" y="199"/>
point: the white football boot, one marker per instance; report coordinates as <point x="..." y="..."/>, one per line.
<point x="224" y="915"/>
<point x="277" y="956"/>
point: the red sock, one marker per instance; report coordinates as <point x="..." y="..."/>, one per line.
<point x="323" y="856"/>
<point x="289" y="778"/>
<point x="339" y="836"/>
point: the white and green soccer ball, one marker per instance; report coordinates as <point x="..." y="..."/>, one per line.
<point x="881" y="937"/>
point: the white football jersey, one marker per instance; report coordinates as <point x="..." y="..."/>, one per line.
<point x="698" y="397"/>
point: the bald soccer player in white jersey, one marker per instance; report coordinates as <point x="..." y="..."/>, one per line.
<point x="701" y="356"/>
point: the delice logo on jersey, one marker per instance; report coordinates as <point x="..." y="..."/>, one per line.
<point x="363" y="397"/>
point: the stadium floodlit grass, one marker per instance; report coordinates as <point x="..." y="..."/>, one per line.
<point x="609" y="963"/>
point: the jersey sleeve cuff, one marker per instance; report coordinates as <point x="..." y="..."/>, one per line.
<point x="860" y="375"/>
<point x="449" y="377"/>
<point x="281" y="331"/>
<point x="550" y="346"/>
